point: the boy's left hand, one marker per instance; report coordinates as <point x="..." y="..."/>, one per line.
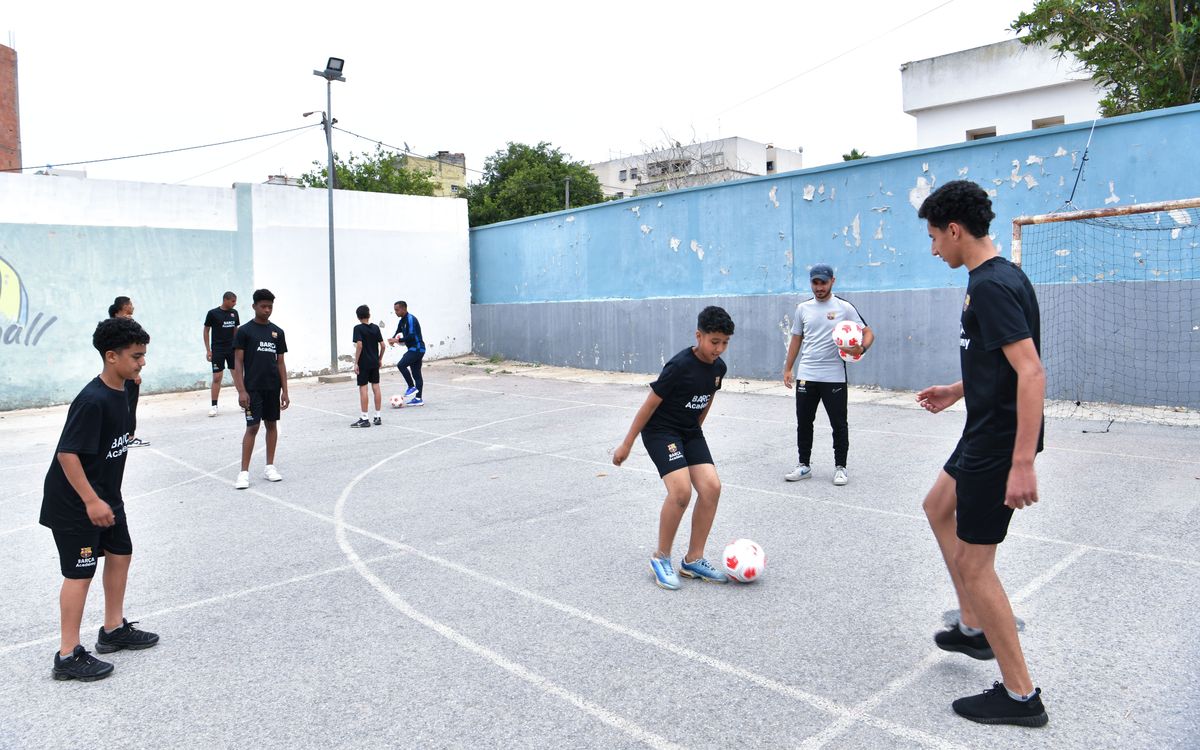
<point x="284" y="401"/>
<point x="620" y="454"/>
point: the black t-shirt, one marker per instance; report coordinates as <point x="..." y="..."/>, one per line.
<point x="223" y="323"/>
<point x="1000" y="308"/>
<point x="371" y="337"/>
<point x="686" y="385"/>
<point x="262" y="344"/>
<point x="96" y="430"/>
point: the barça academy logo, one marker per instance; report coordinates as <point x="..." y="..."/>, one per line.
<point x="15" y="326"/>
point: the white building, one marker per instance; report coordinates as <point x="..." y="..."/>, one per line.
<point x="689" y="165"/>
<point x="995" y="90"/>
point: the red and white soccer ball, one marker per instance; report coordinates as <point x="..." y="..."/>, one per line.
<point x="397" y="401"/>
<point x="848" y="333"/>
<point x="744" y="560"/>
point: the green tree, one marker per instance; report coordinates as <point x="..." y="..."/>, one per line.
<point x="381" y="172"/>
<point x="854" y="155"/>
<point x="523" y="180"/>
<point x="1146" y="51"/>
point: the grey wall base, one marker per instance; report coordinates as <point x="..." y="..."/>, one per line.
<point x="1123" y="343"/>
<point x="916" y="334"/>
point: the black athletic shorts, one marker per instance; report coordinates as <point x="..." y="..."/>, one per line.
<point x="981" y="481"/>
<point x="264" y="406"/>
<point x="78" y="551"/>
<point x="368" y="376"/>
<point x="222" y="361"/>
<point x="673" y="451"/>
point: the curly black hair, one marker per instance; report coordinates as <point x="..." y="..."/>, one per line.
<point x="714" y="319"/>
<point x="263" y="294"/>
<point x="962" y="202"/>
<point x="118" y="334"/>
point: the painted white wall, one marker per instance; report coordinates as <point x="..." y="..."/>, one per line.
<point x="1075" y="102"/>
<point x="388" y="247"/>
<point x="741" y="155"/>
<point x="1006" y="85"/>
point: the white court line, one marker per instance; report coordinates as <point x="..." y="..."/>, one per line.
<point x="215" y="599"/>
<point x="839" y="727"/>
<point x="19" y="528"/>
<point x="792" y="496"/>
<point x="636" y="731"/>
<point x="811" y="699"/>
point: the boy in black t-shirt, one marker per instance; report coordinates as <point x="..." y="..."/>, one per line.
<point x="260" y="376"/>
<point x="670" y="422"/>
<point x="990" y="473"/>
<point x="220" y="328"/>
<point x="83" y="507"/>
<point x="368" y="353"/>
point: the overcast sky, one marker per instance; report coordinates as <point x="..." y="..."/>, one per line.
<point x="100" y="80"/>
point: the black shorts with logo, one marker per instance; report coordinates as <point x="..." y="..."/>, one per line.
<point x="368" y="375"/>
<point x="673" y="451"/>
<point x="264" y="406"/>
<point x="78" y="551"/>
<point x="222" y="361"/>
<point x="981" y="481"/>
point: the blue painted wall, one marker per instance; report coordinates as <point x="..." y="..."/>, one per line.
<point x="617" y="286"/>
<point x="758" y="236"/>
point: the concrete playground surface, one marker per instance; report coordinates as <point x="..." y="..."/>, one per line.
<point x="473" y="573"/>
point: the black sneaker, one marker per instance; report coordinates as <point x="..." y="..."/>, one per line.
<point x="996" y="706"/>
<point x="377" y="421"/>
<point x="974" y="646"/>
<point x="80" y="665"/>
<point x="126" y="636"/>
<point x="361" y="423"/>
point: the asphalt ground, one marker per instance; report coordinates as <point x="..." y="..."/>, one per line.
<point x="474" y="574"/>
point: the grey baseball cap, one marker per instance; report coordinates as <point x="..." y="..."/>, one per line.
<point x="820" y="271"/>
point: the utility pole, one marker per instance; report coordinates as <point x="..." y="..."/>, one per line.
<point x="567" y="180"/>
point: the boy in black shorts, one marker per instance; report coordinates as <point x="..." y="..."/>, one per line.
<point x="220" y="327"/>
<point x="990" y="474"/>
<point x="82" y="503"/>
<point x="670" y="422"/>
<point x="260" y="376"/>
<point x="368" y="353"/>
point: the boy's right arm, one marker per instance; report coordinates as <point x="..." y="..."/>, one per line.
<point x="239" y="377"/>
<point x="99" y="512"/>
<point x="357" y="354"/>
<point x="207" y="346"/>
<point x="639" y="423"/>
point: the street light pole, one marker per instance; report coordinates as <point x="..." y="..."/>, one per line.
<point x="332" y="72"/>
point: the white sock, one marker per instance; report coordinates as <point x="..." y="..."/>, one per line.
<point x="968" y="630"/>
<point x="364" y="415"/>
<point x="1019" y="697"/>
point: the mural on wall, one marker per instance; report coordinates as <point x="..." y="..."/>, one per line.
<point x="17" y="329"/>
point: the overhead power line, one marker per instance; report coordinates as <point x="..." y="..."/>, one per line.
<point x="161" y="153"/>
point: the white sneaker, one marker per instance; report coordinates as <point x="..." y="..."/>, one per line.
<point x="839" y="476"/>
<point x="271" y="474"/>
<point x="212" y="411"/>
<point x="800" y="472"/>
<point x="243" y="481"/>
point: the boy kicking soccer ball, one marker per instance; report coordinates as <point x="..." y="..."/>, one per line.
<point x="82" y="504"/>
<point x="670" y="424"/>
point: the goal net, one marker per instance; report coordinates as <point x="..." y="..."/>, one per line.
<point x="1119" y="290"/>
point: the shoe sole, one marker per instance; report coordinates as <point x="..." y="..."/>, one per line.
<point x="841" y="484"/>
<point x="107" y="649"/>
<point x="974" y="653"/>
<point x="63" y="676"/>
<point x="788" y="478"/>
<point x="280" y="479"/>
<point x="1021" y="721"/>
<point x="698" y="577"/>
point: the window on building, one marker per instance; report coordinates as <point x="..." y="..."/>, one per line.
<point x="633" y="173"/>
<point x="979" y="133"/>
<point x="620" y="194"/>
<point x="453" y="188"/>
<point x="622" y="175"/>
<point x="770" y="166"/>
<point x="1049" y="122"/>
